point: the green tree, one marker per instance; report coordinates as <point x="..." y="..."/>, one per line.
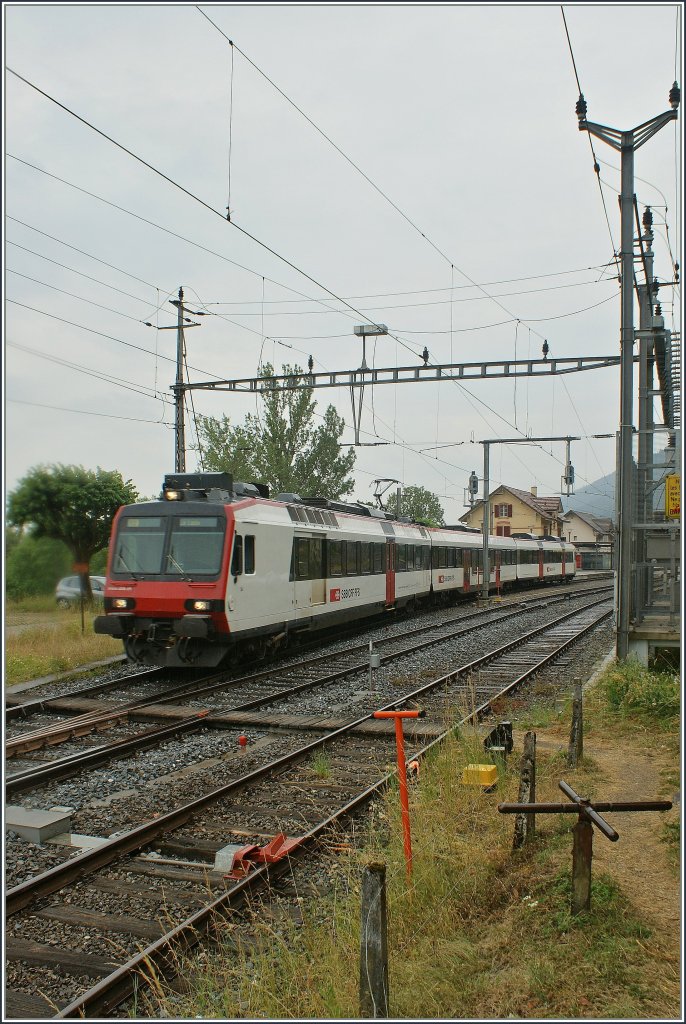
<point x="71" y="504"/>
<point x="34" y="566"/>
<point x="419" y="504"/>
<point x="281" y="446"/>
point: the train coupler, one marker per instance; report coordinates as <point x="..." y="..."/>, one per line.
<point x="242" y="859"/>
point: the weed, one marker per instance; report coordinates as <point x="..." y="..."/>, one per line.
<point x="631" y="688"/>
<point x="321" y="765"/>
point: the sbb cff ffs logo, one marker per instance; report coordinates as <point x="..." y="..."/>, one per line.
<point x="335" y="594"/>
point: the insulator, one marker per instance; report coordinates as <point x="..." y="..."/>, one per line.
<point x="647" y="218"/>
<point x="674" y="96"/>
<point x="581" y="107"/>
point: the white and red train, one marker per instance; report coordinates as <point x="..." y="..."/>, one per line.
<point x="216" y="569"/>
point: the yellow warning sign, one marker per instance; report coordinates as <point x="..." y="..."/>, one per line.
<point x="673" y="496"/>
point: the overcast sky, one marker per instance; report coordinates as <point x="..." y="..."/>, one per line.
<point x="463" y="116"/>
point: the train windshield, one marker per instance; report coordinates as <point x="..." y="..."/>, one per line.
<point x="180" y="546"/>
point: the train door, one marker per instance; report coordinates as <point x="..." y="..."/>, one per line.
<point x="541" y="568"/>
<point x="390" y="572"/>
<point x="318" y="582"/>
<point x="466" y="569"/>
<point x="564" y="563"/>
<point x="498" y="557"/>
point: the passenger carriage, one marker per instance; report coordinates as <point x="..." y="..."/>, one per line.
<point x="216" y="568"/>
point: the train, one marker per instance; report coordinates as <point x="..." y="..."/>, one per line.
<point x="216" y="571"/>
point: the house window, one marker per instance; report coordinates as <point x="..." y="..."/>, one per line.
<point x="503" y="511"/>
<point x="502" y="531"/>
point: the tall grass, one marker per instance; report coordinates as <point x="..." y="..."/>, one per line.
<point x="478" y="932"/>
<point x="44" y="650"/>
<point x="631" y="689"/>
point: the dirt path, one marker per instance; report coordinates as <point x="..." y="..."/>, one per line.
<point x="639" y="860"/>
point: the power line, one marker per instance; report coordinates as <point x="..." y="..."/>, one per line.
<point x="596" y="165"/>
<point x="72" y="295"/>
<point x="81" y="251"/>
<point x="91" y="372"/>
<point x="87" y="412"/>
<point x="418" y="291"/>
<point x="352" y="163"/>
<point x="144" y="220"/>
<point x="101" y="334"/>
<point x="418" y="305"/>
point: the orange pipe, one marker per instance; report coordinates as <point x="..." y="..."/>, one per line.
<point x="402" y="777"/>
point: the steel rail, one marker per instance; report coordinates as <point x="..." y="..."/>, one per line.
<point x="161" y="956"/>
<point x="67" y="767"/>
<point x="43" y="736"/>
<point x="55" y="878"/>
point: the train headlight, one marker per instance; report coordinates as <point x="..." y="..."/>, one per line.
<point x="201" y="606"/>
<point x="119" y="604"/>
<point x="173" y="495"/>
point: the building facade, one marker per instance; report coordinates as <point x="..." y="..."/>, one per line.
<point x="515" y="511"/>
<point x="592" y="536"/>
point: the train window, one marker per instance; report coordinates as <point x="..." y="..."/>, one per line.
<point x="365" y="558"/>
<point x="139" y="546"/>
<point x="195" y="545"/>
<point x="352" y="553"/>
<point x="409" y="555"/>
<point x="249" y="555"/>
<point x="434" y="558"/>
<point x="418" y="557"/>
<point x="378" y="558"/>
<point x="302" y="558"/>
<point x="335" y="556"/>
<point x="237" y="557"/>
<point x="442" y="558"/>
<point x="316" y="546"/>
<point x="401" y="558"/>
<point x="426" y="560"/>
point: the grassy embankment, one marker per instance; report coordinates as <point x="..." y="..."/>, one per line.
<point x="50" y="639"/>
<point x="482" y="932"/>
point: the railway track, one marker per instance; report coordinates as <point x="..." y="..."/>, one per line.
<point x="71" y="918"/>
<point x="279" y="689"/>
<point x="270" y="683"/>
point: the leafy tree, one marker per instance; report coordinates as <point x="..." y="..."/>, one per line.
<point x="419" y="504"/>
<point x="71" y="504"/>
<point x="281" y="446"/>
<point x="34" y="566"/>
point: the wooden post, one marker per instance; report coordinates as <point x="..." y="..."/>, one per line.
<point x="582" y="856"/>
<point x="525" y="824"/>
<point x="576" y="735"/>
<point x="373" y="943"/>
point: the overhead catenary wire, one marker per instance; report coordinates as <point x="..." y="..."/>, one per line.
<point x="128" y="385"/>
<point x="88" y="412"/>
<point x="232" y="223"/>
<point x="596" y="165"/>
<point x="359" y="170"/>
<point x="419" y="291"/>
<point x="73" y="295"/>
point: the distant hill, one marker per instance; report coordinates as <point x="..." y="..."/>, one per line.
<point x="596" y="498"/>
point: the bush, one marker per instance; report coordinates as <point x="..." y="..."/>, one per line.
<point x="34" y="566"/>
<point x="630" y="687"/>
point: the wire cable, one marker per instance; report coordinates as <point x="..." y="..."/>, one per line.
<point x="596" y="165"/>
<point x="87" y="412"/>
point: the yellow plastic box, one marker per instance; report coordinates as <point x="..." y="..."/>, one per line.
<point x="479" y="775"/>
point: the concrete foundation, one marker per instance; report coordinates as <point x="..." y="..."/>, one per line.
<point x="37" y="826"/>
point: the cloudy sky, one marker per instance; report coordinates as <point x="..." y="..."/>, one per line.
<point x="462" y="119"/>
